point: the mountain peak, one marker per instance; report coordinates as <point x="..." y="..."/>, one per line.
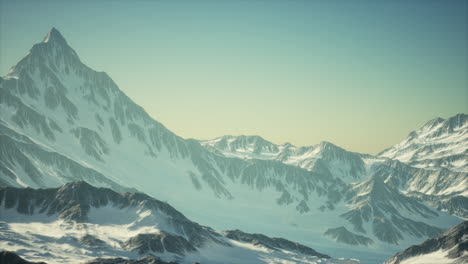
<point x="433" y="122"/>
<point x="54" y="36"/>
<point x="53" y="52"/>
<point x="328" y="146"/>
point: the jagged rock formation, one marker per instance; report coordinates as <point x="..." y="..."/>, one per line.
<point x="8" y="257"/>
<point x="325" y="157"/>
<point x="145" y="260"/>
<point x="158" y="242"/>
<point x="73" y="202"/>
<point x="78" y="222"/>
<point x="274" y="243"/>
<point x="91" y="241"/>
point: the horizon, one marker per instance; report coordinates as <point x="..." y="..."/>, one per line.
<point x="226" y="117"/>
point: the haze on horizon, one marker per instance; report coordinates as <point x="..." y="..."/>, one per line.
<point x="360" y="74"/>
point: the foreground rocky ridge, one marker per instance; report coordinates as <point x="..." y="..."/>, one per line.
<point x="8" y="257"/>
<point x="274" y="243"/>
<point x="73" y="202"/>
<point x="453" y="245"/>
<point x="78" y="221"/>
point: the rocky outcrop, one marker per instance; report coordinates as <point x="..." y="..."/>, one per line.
<point x="454" y="243"/>
<point x="8" y="257"/>
<point x="73" y="201"/>
<point x="272" y="243"/>
<point x="91" y="241"/>
<point x="158" y="242"/>
<point x="145" y="260"/>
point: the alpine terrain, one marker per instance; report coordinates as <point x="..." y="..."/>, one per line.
<point x="78" y="222"/>
<point x="450" y="247"/>
<point x="63" y="122"/>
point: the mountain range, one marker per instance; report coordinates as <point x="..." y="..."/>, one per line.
<point x="64" y="122"/>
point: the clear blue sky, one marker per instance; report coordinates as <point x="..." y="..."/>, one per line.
<point x="361" y="74"/>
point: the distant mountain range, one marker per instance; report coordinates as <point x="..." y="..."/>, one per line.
<point x="63" y="122"/>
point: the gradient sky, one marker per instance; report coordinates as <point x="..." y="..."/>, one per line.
<point x="360" y="74"/>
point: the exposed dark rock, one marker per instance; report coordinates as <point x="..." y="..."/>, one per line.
<point x="455" y="240"/>
<point x="272" y="243"/>
<point x="379" y="203"/>
<point x="342" y="235"/>
<point x="145" y="260"/>
<point x="158" y="242"/>
<point x="73" y="201"/>
<point x="8" y="257"/>
<point x="454" y="204"/>
<point x="91" y="241"/>
<point x="91" y="142"/>
<point x="116" y="134"/>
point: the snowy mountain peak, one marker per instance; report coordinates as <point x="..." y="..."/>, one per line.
<point x="324" y="158"/>
<point x="440" y="126"/>
<point x="439" y="143"/>
<point x="53" y="54"/>
<point x="433" y="122"/>
<point x="457" y="121"/>
<point x="328" y="146"/>
<point x="54" y="36"/>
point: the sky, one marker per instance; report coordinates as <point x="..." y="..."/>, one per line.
<point x="359" y="74"/>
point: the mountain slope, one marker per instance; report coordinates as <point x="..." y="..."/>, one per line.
<point x="383" y="196"/>
<point x="62" y="105"/>
<point x="439" y="143"/>
<point x="450" y="247"/>
<point x="346" y="166"/>
<point x="79" y="222"/>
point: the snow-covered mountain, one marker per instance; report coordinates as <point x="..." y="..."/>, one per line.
<point x="440" y="143"/>
<point x="78" y="222"/>
<point x="449" y="248"/>
<point x="441" y="188"/>
<point x="61" y="121"/>
<point x="441" y="148"/>
<point x="344" y="165"/>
